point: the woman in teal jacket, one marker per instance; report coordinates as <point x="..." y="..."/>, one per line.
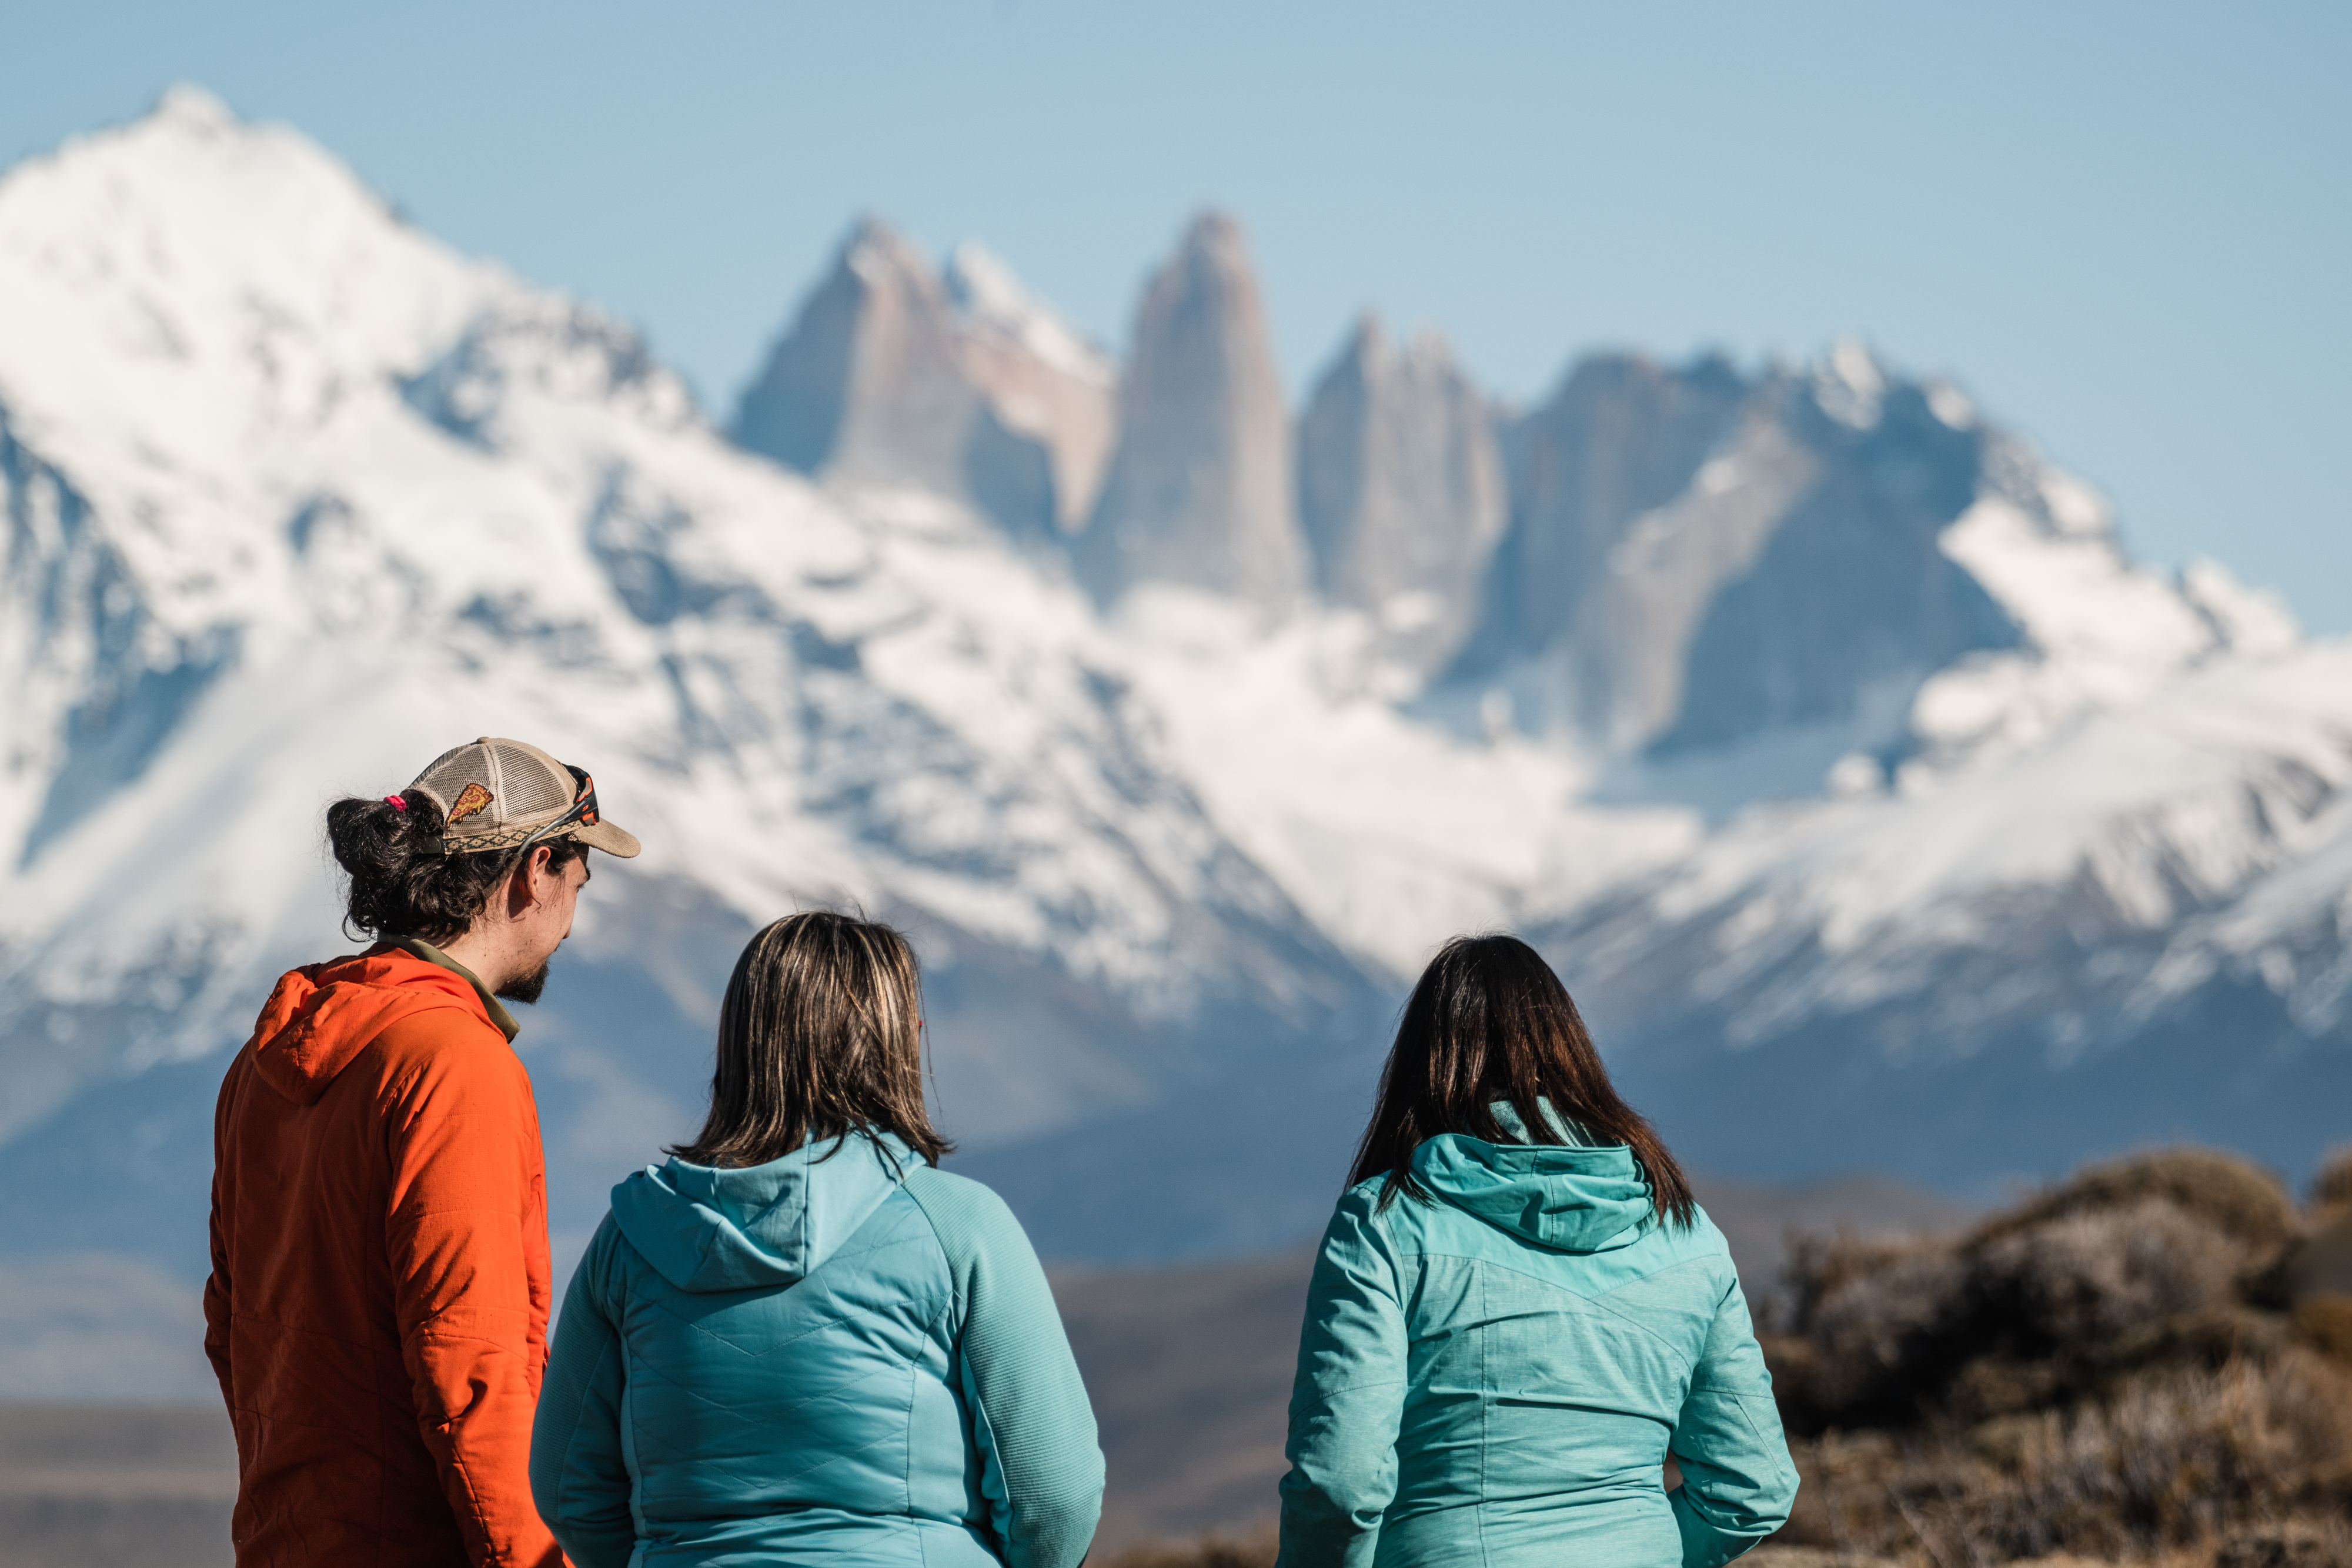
<point x="1509" y="1330"/>
<point x="798" y="1341"/>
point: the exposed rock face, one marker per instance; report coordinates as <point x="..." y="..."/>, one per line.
<point x="1200" y="488"/>
<point x="1622" y="437"/>
<point x="1043" y="383"/>
<point x="1694" y="558"/>
<point x="868" y="386"/>
<point x="966" y="388"/>
<point x="1849" y="602"/>
<point x="1401" y="492"/>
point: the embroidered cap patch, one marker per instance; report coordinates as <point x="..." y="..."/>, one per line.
<point x="471" y="799"/>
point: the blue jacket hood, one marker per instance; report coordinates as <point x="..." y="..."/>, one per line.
<point x="708" y="1229"/>
<point x="1572" y="1197"/>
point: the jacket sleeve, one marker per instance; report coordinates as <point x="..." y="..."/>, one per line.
<point x="1737" y="1480"/>
<point x="218" y="1301"/>
<point x="1349" y="1396"/>
<point x="577" y="1477"/>
<point x="1041" y="1467"/>
<point x="464" y="1226"/>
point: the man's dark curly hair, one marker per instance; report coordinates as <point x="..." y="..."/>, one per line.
<point x="400" y="886"/>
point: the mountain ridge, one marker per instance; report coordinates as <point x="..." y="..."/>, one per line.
<point x="294" y="493"/>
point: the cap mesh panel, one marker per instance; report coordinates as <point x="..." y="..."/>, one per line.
<point x="448" y="777"/>
<point x="523" y="787"/>
<point x="529" y="790"/>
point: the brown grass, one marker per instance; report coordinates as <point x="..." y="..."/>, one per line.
<point x="2176" y="1459"/>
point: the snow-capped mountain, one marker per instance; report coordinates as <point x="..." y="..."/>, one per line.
<point x="280" y="529"/>
<point x="1821" y="727"/>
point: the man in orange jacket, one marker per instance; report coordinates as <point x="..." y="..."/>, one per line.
<point x="377" y="1311"/>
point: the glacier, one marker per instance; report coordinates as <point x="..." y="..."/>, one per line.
<point x="1880" y="809"/>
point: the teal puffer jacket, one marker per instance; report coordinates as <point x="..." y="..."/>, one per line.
<point x="843" y="1355"/>
<point x="1494" y="1377"/>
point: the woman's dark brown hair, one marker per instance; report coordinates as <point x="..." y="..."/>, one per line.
<point x="820" y="1033"/>
<point x="401" y="884"/>
<point x="1490" y="1022"/>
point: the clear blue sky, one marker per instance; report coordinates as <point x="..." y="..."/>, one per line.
<point x="2124" y="227"/>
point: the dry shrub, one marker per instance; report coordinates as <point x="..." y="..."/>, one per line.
<point x="2294" y="1543"/>
<point x="2177" y="1455"/>
<point x="2102" y="1275"/>
<point x="2174" y="1458"/>
<point x="2084" y="1278"/>
<point x="2333" y="1186"/>
<point x="1774" y="1555"/>
<point x="2324" y="1324"/>
<point x="2234" y="1196"/>
<point x="2108" y="1370"/>
<point x="1868" y="1317"/>
<point x="1886" y="1333"/>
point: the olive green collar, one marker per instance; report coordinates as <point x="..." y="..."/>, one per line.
<point x="431" y="954"/>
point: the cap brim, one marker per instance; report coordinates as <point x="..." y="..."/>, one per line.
<point x="605" y="836"/>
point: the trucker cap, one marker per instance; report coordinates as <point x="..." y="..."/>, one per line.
<point x="503" y="794"/>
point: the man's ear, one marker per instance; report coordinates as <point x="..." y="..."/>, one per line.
<point x="527" y="878"/>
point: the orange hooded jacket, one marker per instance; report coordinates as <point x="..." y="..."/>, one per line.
<point x="377" y="1310"/>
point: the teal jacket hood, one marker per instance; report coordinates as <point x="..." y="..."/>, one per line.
<point x="1572" y="1196"/>
<point x="708" y="1229"/>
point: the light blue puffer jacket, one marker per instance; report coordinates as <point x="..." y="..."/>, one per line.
<point x="843" y="1355"/>
<point x="1493" y="1378"/>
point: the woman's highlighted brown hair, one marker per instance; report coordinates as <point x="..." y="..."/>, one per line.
<point x="1490" y="1022"/>
<point x="820" y="1034"/>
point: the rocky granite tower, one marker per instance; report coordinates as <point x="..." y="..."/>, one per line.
<point x="965" y="387"/>
<point x="868" y="386"/>
<point x="1199" y="487"/>
<point x="1043" y="384"/>
<point x="1401" y="492"/>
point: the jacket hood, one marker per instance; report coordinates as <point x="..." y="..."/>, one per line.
<point x="1574" y="1196"/>
<point x="319" y="1016"/>
<point x="706" y="1228"/>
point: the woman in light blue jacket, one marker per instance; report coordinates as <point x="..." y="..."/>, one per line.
<point x="1519" y="1314"/>
<point x="799" y="1342"/>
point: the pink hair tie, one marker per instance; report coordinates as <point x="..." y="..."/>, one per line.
<point x="397" y="802"/>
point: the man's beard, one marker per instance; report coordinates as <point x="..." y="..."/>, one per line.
<point x="524" y="988"/>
